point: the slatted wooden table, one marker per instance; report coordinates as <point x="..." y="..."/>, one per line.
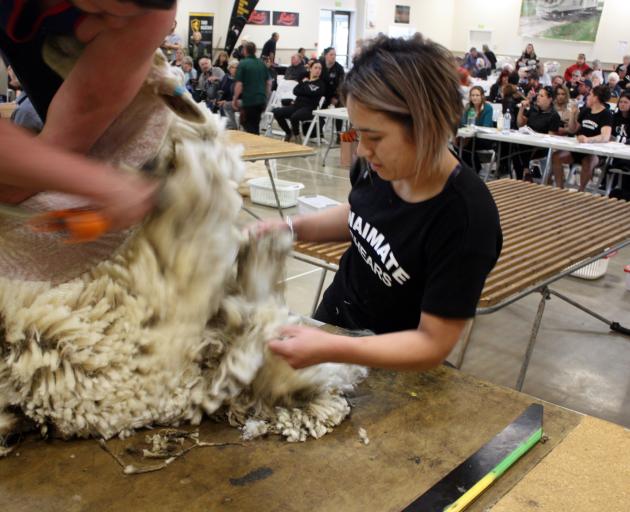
<point x="6" y="109"/>
<point x="547" y="233"/>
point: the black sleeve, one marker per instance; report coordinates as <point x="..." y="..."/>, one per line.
<point x="492" y="96"/>
<point x="607" y="118"/>
<point x="458" y="266"/>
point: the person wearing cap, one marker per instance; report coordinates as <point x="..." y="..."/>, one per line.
<point x="74" y="111"/>
<point x="580" y="66"/>
<point x="584" y="88"/>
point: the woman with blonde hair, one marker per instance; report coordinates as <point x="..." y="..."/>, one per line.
<point x="424" y="228"/>
<point x="566" y="108"/>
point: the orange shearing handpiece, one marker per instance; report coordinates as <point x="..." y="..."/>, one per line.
<point x="80" y="225"/>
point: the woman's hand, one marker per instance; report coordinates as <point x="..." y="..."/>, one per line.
<point x="266" y="226"/>
<point x="582" y="138"/>
<point x="302" y="346"/>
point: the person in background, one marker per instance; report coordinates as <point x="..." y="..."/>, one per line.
<point x="584" y="89"/>
<point x="432" y="216"/>
<point x="541" y="117"/>
<point x="533" y="84"/>
<point x="24" y="114"/>
<point x="580" y="66"/>
<point x="496" y="90"/>
<point x="198" y="49"/>
<point x="332" y="75"/>
<point x="179" y="58"/>
<point x="190" y="74"/>
<point x="297" y="70"/>
<point x="481" y="70"/>
<point x="621" y="133"/>
<point x="594" y="125"/>
<point x="623" y="70"/>
<point x="172" y="42"/>
<point x="239" y="53"/>
<point x="273" y="74"/>
<point x="528" y="59"/>
<point x="489" y="54"/>
<point x="470" y="60"/>
<point x="480" y="113"/>
<point x="597" y="75"/>
<point x="227" y="86"/>
<point x="613" y="85"/>
<point x="557" y="80"/>
<point x="574" y="83"/>
<point x="253" y="87"/>
<point x="543" y="76"/>
<point x="222" y="61"/>
<point x="567" y="110"/>
<point x="269" y="48"/>
<point x="208" y="83"/>
<point x="308" y="94"/>
<point x="302" y="54"/>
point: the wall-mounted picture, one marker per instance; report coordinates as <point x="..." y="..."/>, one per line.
<point x="286" y="19"/>
<point x="402" y="14"/>
<point x="259" y="18"/>
<point x="567" y="20"/>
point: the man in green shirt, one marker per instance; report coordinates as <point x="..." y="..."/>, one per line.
<point x="253" y="85"/>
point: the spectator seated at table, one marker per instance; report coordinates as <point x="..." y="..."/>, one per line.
<point x="567" y="110"/>
<point x="528" y="60"/>
<point x="24" y="114"/>
<point x="225" y="95"/>
<point x="597" y="73"/>
<point x="613" y="85"/>
<point x="584" y="89"/>
<point x="574" y="83"/>
<point x="533" y="84"/>
<point x="478" y="113"/>
<point x="190" y="74"/>
<point x="481" y="69"/>
<point x="470" y="60"/>
<point x="594" y="125"/>
<point x="302" y="54"/>
<point x="222" y="61"/>
<point x="623" y="70"/>
<point x="557" y="80"/>
<point x="179" y="58"/>
<point x="496" y="90"/>
<point x="580" y="66"/>
<point x="297" y="70"/>
<point x="621" y="133"/>
<point x="543" y="77"/>
<point x="541" y="117"/>
<point x="308" y="94"/>
<point x="208" y="83"/>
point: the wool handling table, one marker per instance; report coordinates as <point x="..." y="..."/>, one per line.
<point x="420" y="425"/>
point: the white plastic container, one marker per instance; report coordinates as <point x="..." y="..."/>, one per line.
<point x="626" y="270"/>
<point x="261" y="192"/>
<point x="315" y="203"/>
<point x="594" y="270"/>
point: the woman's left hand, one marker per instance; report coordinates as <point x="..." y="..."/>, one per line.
<point x="302" y="346"/>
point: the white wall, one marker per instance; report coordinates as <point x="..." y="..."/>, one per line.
<point x="502" y="17"/>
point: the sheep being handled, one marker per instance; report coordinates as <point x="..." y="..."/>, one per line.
<point x="168" y="322"/>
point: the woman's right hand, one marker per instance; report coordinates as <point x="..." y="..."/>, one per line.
<point x="266" y="226"/>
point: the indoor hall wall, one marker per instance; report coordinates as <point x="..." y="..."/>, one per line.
<point x="291" y="38"/>
<point x="502" y="17"/>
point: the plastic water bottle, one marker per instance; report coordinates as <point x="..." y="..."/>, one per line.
<point x="507" y="121"/>
<point x="470" y="120"/>
<point x="500" y="123"/>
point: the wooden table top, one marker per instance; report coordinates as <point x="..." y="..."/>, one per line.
<point x="258" y="147"/>
<point x="545" y="230"/>
<point x="420" y="426"/>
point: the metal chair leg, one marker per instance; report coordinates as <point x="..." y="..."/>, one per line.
<point x="532" y="338"/>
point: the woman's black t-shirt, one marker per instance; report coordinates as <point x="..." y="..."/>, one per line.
<point x="621" y="128"/>
<point x="543" y="121"/>
<point x="407" y="258"/>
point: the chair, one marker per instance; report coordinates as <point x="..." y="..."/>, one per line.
<point x="612" y="176"/>
<point x="313" y="124"/>
<point x="267" y="117"/>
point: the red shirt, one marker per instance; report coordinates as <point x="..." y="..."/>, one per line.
<point x="575" y="67"/>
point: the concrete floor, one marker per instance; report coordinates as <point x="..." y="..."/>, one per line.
<point x="577" y="363"/>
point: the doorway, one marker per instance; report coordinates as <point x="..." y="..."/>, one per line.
<point x="334" y="30"/>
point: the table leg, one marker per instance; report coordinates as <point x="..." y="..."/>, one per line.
<point x="310" y="130"/>
<point x="547" y="172"/>
<point x="532" y="338"/>
<point x="273" y="174"/>
<point x="319" y="291"/>
<point x="467" y="335"/>
<point x="332" y="140"/>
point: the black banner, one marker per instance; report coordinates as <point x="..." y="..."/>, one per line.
<point x="259" y="18"/>
<point x="286" y="19"/>
<point x="241" y="12"/>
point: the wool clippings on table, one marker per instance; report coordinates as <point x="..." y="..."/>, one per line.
<point x="173" y="325"/>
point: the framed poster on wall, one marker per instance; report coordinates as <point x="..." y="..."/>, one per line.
<point x="566" y="20"/>
<point x="286" y="19"/>
<point x="259" y="18"/>
<point x="402" y="14"/>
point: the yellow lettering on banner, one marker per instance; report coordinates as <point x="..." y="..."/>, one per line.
<point x="242" y="9"/>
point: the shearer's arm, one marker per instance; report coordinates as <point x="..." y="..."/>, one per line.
<point x="104" y="80"/>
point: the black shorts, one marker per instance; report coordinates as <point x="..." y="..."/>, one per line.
<point x="577" y="157"/>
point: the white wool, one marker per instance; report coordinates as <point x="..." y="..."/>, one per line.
<point x="171" y="326"/>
